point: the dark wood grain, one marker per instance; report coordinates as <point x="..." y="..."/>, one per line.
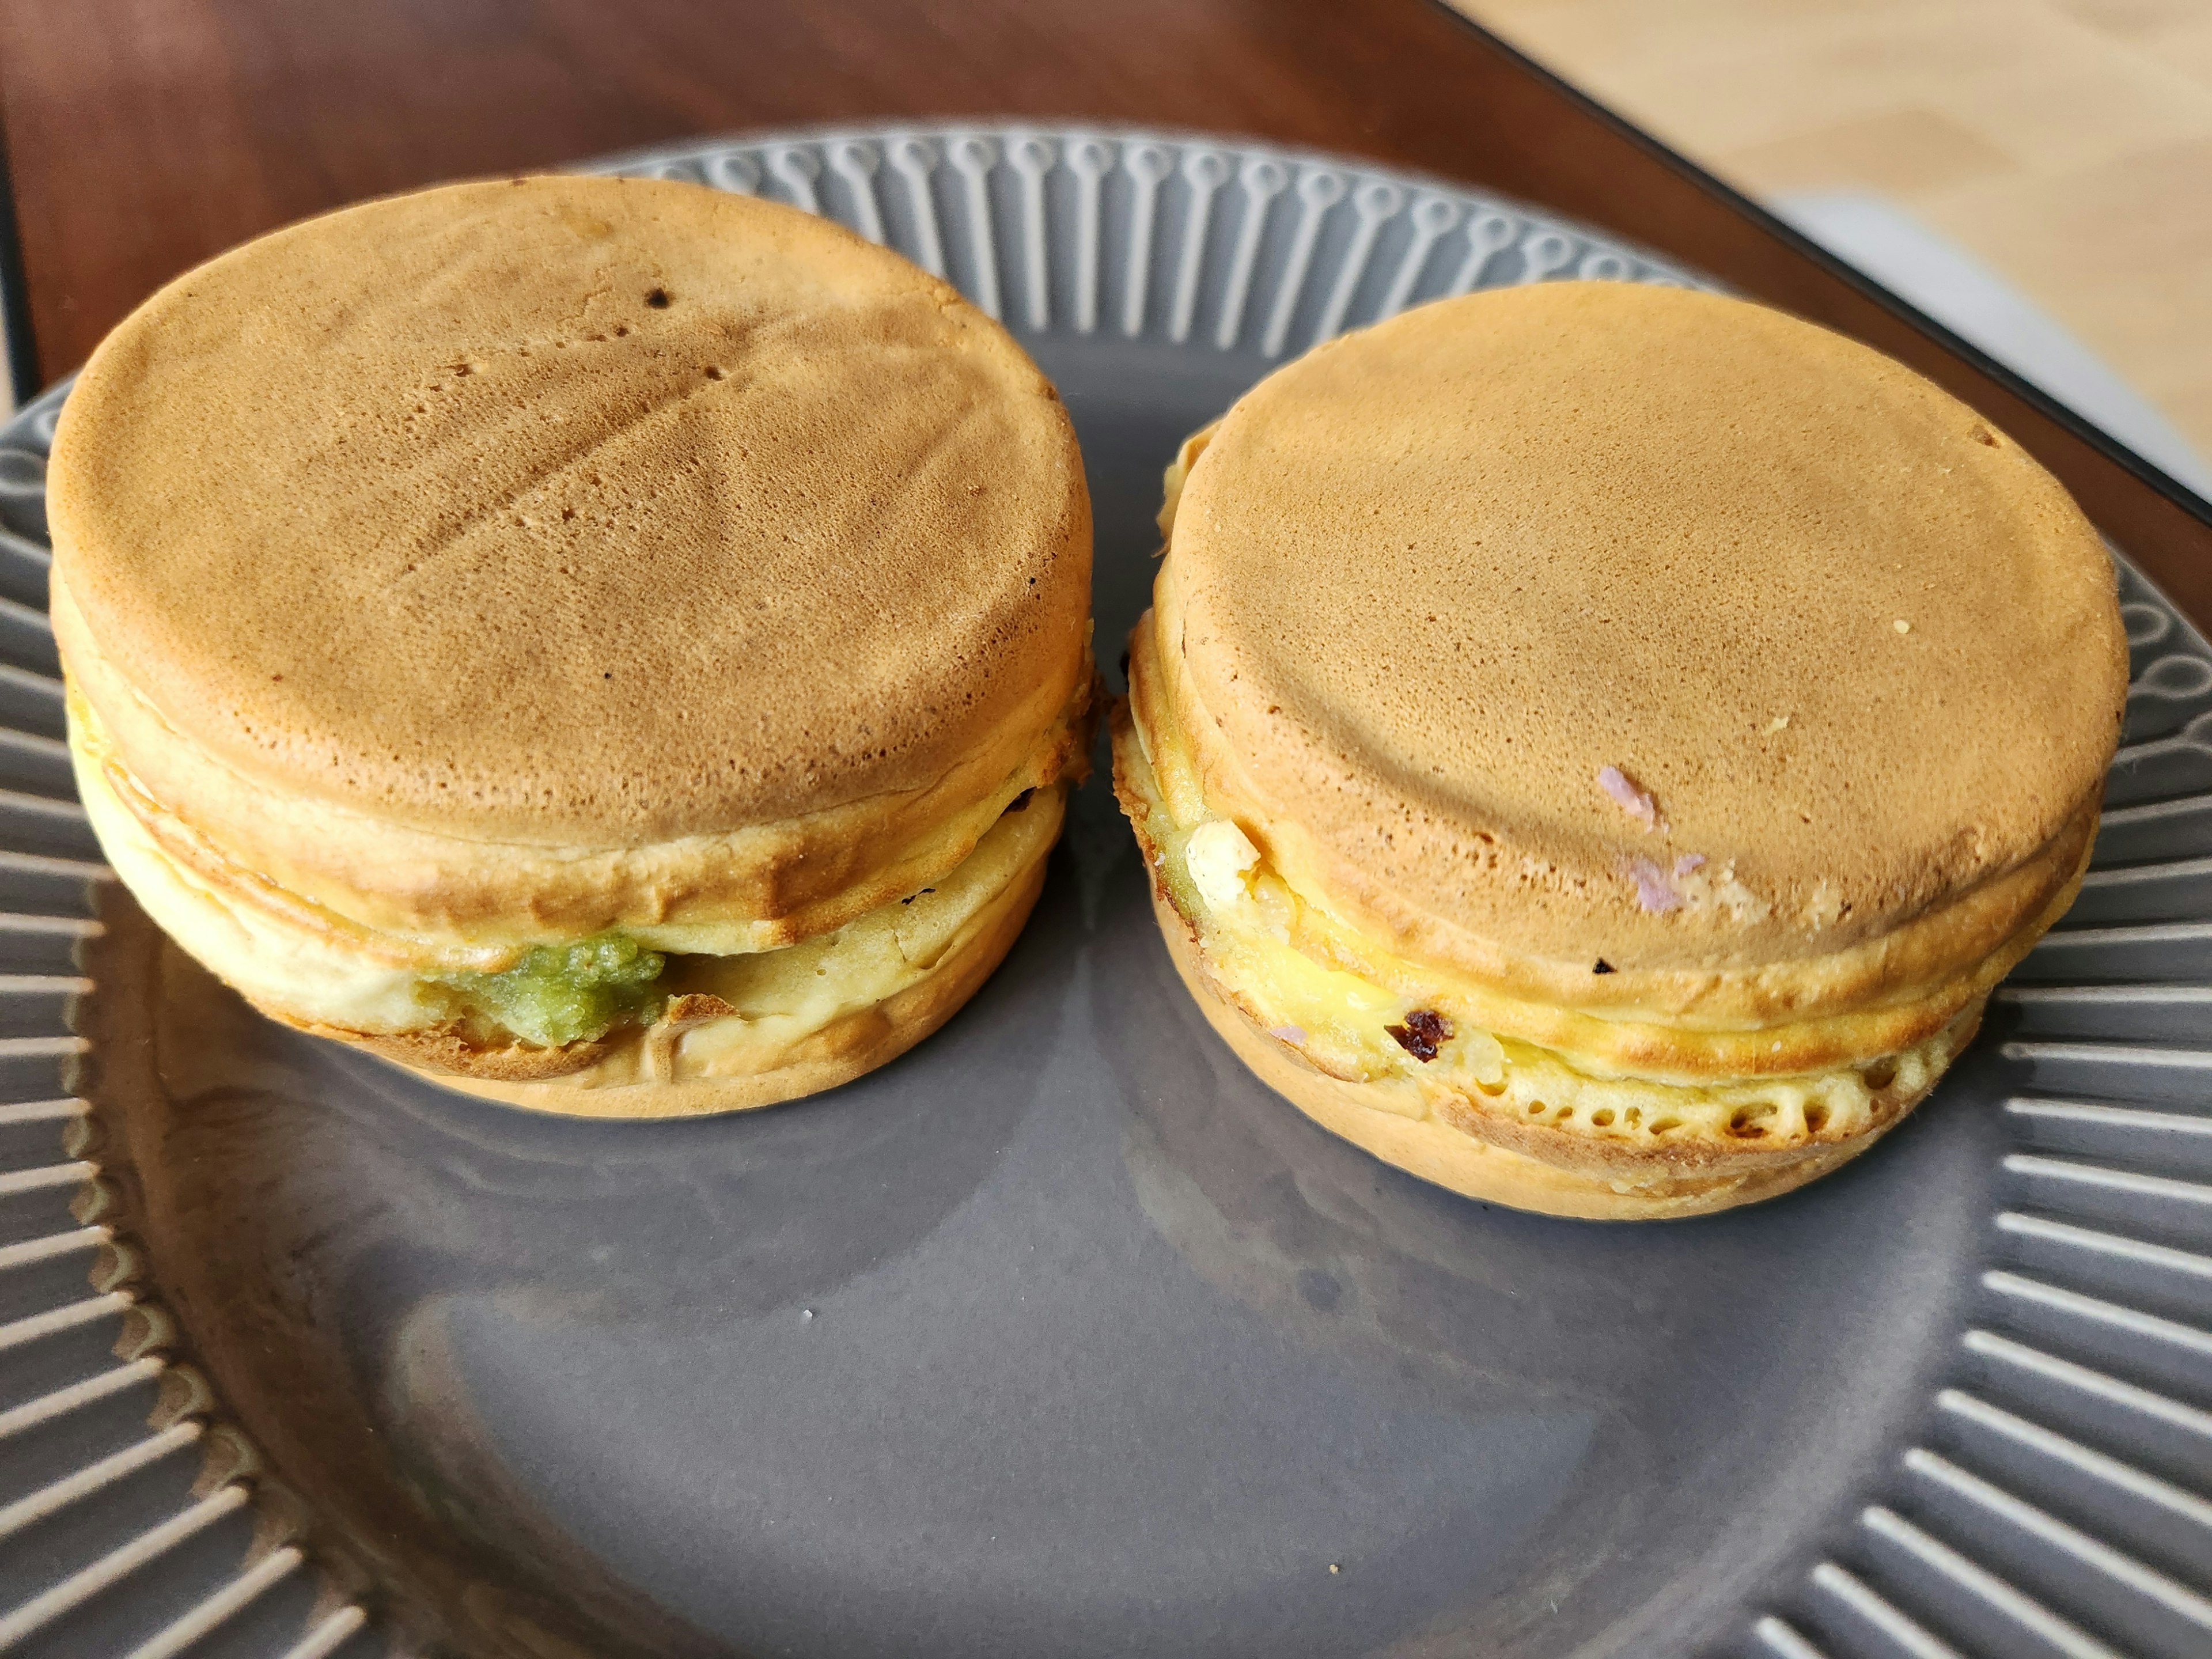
<point x="143" y="138"/>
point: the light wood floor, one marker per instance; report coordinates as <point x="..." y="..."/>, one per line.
<point x="2065" y="143"/>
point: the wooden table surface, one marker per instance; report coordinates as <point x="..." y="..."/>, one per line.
<point x="2066" y="144"/>
<point x="144" y="135"/>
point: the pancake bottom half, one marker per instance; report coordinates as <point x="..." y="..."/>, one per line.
<point x="1452" y="1150"/>
<point x="1481" y="1090"/>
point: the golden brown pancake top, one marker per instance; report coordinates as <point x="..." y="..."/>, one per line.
<point x="574" y="510"/>
<point x="1429" y="583"/>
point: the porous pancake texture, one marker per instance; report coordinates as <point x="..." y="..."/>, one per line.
<point x="1627" y="725"/>
<point x="565" y="564"/>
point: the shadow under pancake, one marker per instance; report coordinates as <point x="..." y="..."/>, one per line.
<point x="1736" y="1370"/>
<point x="307" y="1208"/>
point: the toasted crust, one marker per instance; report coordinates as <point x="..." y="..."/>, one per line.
<point x="1548" y="1171"/>
<point x="448" y="1054"/>
<point x="522" y="559"/>
<point x="1425" y="585"/>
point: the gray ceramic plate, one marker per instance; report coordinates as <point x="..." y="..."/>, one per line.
<point x="1060" y="1336"/>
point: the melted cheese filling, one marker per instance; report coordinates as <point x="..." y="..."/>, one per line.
<point x="335" y="975"/>
<point x="1321" y="988"/>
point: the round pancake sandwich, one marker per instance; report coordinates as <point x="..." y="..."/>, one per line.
<point x="616" y="647"/>
<point x="1596" y="745"/>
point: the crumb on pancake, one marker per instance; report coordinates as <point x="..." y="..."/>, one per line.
<point x="1632" y="797"/>
<point x="1423" y="1035"/>
<point x="1653" y="891"/>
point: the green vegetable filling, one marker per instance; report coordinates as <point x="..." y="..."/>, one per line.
<point x="562" y="993"/>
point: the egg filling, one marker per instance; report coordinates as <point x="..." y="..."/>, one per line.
<point x="304" y="963"/>
<point x="1356" y="1010"/>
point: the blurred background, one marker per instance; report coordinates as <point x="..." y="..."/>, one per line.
<point x="2037" y="173"/>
